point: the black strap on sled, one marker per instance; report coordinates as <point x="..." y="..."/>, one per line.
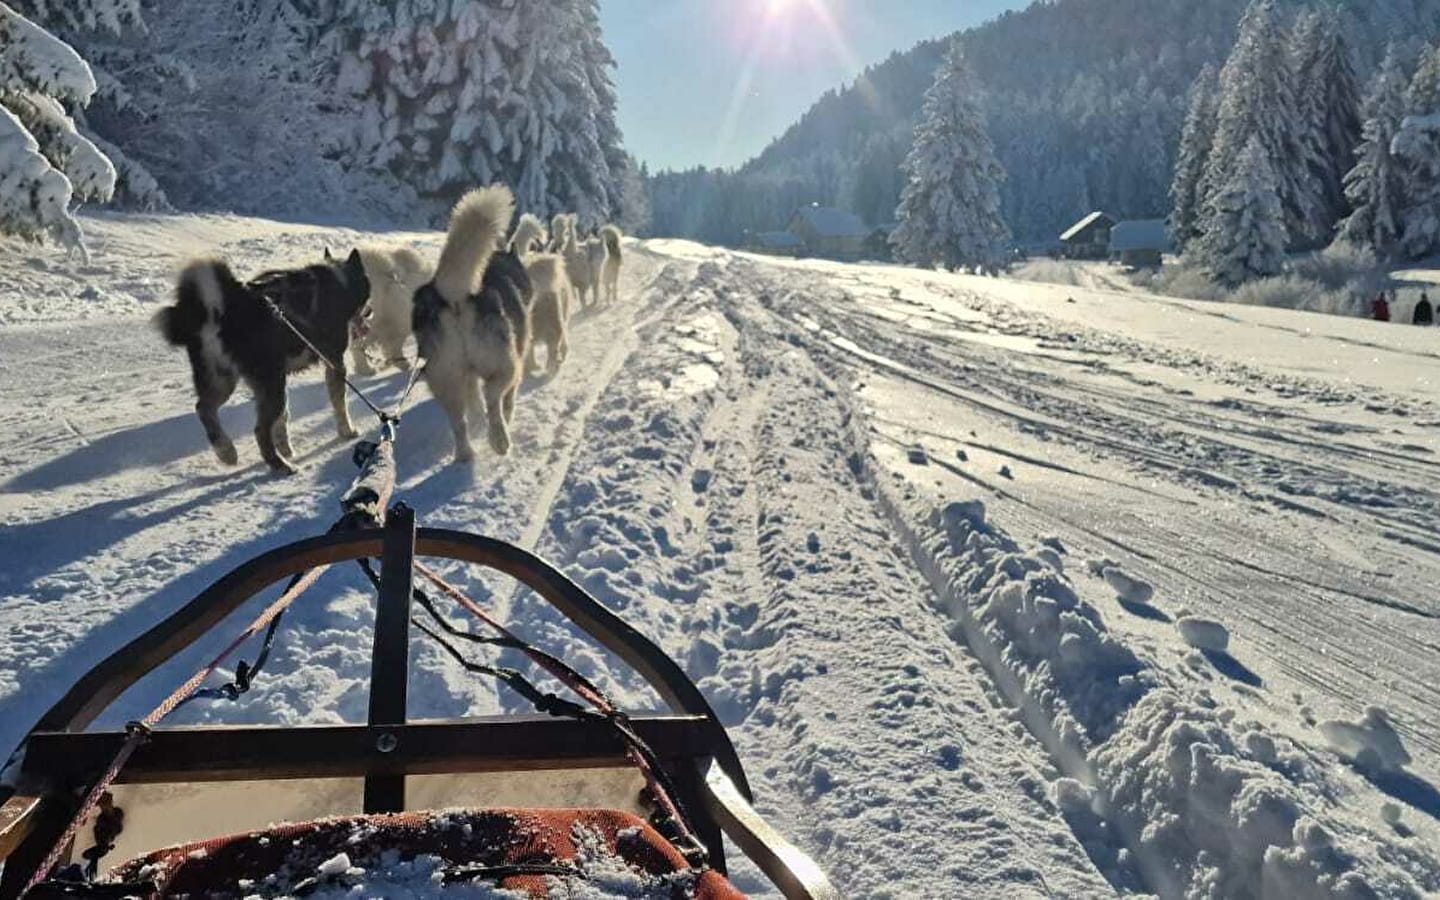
<point x="675" y="829"/>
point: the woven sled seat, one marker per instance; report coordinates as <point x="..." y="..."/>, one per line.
<point x="410" y="854"/>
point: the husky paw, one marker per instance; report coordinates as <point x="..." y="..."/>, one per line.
<point x="465" y="455"/>
<point x="227" y="454"/>
<point x="500" y="443"/>
<point x="283" y="467"/>
<point x="347" y="432"/>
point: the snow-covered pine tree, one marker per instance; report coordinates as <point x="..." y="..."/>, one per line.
<point x="1416" y="148"/>
<point x="1422" y="95"/>
<point x="634" y="204"/>
<point x="598" y="63"/>
<point x="1375" y="187"/>
<point x="1328" y="96"/>
<point x="1246" y="234"/>
<point x="101" y="31"/>
<point x="44" y="161"/>
<point x="1195" y="141"/>
<point x="1257" y="99"/>
<point x="455" y="94"/>
<point x="949" y="210"/>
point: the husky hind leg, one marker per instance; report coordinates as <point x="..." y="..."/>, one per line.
<point x="335" y="385"/>
<point x="395" y="354"/>
<point x="212" y="389"/>
<point x="448" y="386"/>
<point x="270" y="410"/>
<point x="281" y="434"/>
<point x="359" y="359"/>
<point x="499" y="398"/>
<point x="474" y="405"/>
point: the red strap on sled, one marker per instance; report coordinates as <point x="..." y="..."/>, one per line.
<point x="138" y="732"/>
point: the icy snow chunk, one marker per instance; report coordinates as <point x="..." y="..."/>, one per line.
<point x="970" y="511"/>
<point x="1203" y="634"/>
<point x="1260" y="746"/>
<point x="1127" y="587"/>
<point x="335" y="866"/>
<point x="1070" y="796"/>
<point x="1390" y="812"/>
<point x="1097" y="567"/>
<point x="1050" y="558"/>
<point x="1370" y="742"/>
<point x="918" y="456"/>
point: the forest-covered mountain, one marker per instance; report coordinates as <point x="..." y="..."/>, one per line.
<point x="1084" y="100"/>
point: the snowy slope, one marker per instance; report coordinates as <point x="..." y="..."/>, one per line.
<point x="926" y="542"/>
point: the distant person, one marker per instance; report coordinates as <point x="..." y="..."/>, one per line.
<point x="1424" y="312"/>
<point x="1381" y="308"/>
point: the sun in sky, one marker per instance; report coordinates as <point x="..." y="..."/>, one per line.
<point x="777" y="36"/>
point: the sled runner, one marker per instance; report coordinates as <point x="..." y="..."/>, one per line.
<point x="517" y="802"/>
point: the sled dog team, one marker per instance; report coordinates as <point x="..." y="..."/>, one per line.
<point x="493" y="297"/>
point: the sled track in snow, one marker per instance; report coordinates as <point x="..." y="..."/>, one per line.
<point x="1034" y="693"/>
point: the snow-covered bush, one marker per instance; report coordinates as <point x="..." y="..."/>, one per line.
<point x="1047" y="271"/>
<point x="1293" y="292"/>
<point x="1340" y="265"/>
<point x="1183" y="278"/>
<point x="44" y="161"/>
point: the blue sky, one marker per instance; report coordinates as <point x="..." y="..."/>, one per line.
<point x="713" y="81"/>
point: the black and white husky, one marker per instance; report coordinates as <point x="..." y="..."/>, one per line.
<point x="472" y="321"/>
<point x="231" y="334"/>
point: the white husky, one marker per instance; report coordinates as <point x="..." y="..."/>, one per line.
<point x="550" y="313"/>
<point x="583" y="275"/>
<point x="610" y="272"/>
<point x="599" y="253"/>
<point x="394" y="275"/>
<point x="472" y="321"/>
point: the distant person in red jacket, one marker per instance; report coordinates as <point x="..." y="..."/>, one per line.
<point x="1381" y="308"/>
<point x="1424" y="312"/>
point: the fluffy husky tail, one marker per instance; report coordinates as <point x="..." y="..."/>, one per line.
<point x="611" y="235"/>
<point x="199" y="297"/>
<point x="529" y="235"/>
<point x="477" y="226"/>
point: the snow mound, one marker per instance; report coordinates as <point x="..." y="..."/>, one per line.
<point x="1127" y="587"/>
<point x="1371" y="742"/>
<point x="1200" y="804"/>
<point x="1204" y="634"/>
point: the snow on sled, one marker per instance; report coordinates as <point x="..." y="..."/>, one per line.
<point x="581" y="801"/>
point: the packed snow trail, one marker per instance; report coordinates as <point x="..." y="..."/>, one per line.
<point x="923" y="540"/>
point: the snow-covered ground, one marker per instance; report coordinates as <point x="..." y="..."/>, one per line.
<point x="1004" y="589"/>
